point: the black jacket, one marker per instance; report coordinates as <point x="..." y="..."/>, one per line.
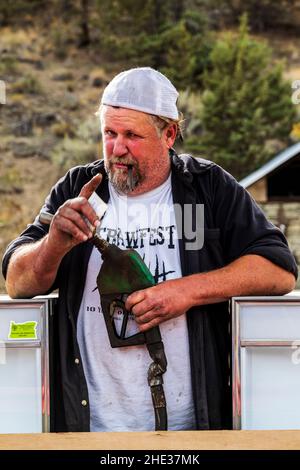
<point x="234" y="226"/>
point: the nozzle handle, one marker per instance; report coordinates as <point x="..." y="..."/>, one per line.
<point x="45" y="217"/>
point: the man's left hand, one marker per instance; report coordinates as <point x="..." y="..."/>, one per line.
<point x="159" y="303"/>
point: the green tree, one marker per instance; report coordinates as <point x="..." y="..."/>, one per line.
<point x="14" y="11"/>
<point x="262" y="14"/>
<point x="246" y="103"/>
<point x="170" y="36"/>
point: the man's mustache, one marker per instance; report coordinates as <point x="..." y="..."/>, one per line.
<point x="122" y="161"/>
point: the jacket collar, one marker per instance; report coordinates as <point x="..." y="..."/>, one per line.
<point x="186" y="166"/>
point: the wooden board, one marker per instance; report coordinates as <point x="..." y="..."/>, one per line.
<point x="166" y="440"/>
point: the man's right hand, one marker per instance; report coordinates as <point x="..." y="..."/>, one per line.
<point x="75" y="220"/>
<point x="33" y="267"/>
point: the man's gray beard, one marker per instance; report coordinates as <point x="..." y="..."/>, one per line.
<point x="121" y="184"/>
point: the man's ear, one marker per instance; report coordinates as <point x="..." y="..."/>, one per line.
<point x="170" y="135"/>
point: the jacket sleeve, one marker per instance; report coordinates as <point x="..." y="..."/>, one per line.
<point x="243" y="225"/>
<point x="36" y="230"/>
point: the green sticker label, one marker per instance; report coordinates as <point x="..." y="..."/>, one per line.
<point x="26" y="330"/>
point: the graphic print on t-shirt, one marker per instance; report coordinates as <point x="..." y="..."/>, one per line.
<point x="158" y="265"/>
<point x="139" y="240"/>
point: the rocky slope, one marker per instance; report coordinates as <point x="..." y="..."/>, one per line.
<point x="46" y="125"/>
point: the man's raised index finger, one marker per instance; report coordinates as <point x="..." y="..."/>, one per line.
<point x="88" y="189"/>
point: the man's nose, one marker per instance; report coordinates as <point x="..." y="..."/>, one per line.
<point x="120" y="147"/>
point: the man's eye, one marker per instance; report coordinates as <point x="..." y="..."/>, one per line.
<point x="109" y="133"/>
<point x="131" y="135"/>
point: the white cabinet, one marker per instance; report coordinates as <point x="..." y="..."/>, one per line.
<point x="266" y="362"/>
<point x="24" y="364"/>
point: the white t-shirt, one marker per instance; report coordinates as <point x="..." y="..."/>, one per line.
<point x="119" y="395"/>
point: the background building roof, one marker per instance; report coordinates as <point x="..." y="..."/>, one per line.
<point x="270" y="166"/>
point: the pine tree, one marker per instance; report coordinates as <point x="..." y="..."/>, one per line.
<point x="262" y="14"/>
<point x="170" y="36"/>
<point x="14" y="11"/>
<point x="246" y="102"/>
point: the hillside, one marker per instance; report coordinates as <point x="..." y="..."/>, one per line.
<point x="48" y="119"/>
<point x="48" y="122"/>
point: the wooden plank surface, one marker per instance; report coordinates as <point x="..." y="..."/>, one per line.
<point x="166" y="440"/>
